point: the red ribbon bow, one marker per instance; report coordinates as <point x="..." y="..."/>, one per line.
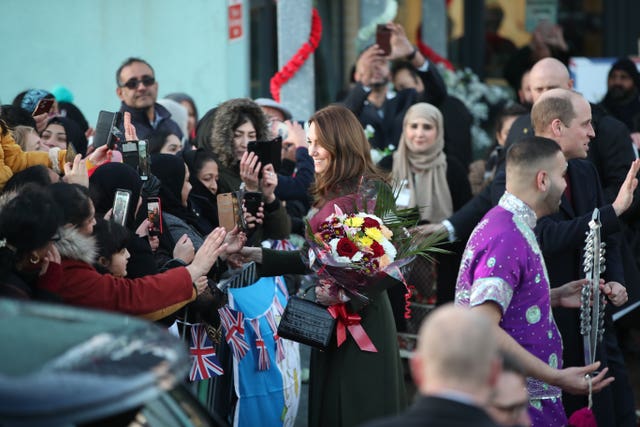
<point x="350" y="321"/>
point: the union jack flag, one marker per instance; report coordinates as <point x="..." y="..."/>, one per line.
<point x="203" y="354"/>
<point x="263" y="356"/>
<point x="233" y="323"/>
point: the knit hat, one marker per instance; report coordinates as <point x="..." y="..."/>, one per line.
<point x="32" y="97"/>
<point x="629" y="67"/>
<point x="268" y="102"/>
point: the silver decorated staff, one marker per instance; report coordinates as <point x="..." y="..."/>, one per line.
<point x="592" y="300"/>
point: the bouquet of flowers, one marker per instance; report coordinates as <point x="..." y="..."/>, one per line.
<point x="364" y="253"/>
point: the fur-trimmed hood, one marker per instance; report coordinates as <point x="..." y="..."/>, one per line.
<point x="75" y="245"/>
<point x="227" y="114"/>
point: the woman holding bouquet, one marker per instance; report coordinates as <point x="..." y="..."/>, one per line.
<point x="348" y="386"/>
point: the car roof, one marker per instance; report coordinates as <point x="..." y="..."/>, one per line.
<point x="62" y="365"/>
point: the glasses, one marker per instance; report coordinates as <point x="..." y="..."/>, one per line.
<point x="133" y="83"/>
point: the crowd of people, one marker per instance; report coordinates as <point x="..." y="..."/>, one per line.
<point x="508" y="351"/>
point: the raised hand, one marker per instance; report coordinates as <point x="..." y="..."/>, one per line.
<point x="129" y="129"/>
<point x="76" y="172"/>
<point x="208" y="253"/>
<point x="625" y="195"/>
<point x="249" y="169"/>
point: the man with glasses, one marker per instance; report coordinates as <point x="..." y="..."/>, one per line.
<point x="138" y="91"/>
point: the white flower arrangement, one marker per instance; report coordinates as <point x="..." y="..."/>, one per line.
<point x="478" y="97"/>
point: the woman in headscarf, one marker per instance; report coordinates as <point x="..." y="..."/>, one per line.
<point x="60" y="132"/>
<point x="437" y="183"/>
<point x="236" y="122"/>
<point x="175" y="187"/>
<point x="28" y="227"/>
<point x="203" y="176"/>
<point x="103" y="184"/>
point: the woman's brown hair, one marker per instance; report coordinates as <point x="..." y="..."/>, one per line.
<point x="341" y="134"/>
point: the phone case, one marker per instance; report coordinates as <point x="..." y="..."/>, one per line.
<point x="227" y="210"/>
<point x="154" y="215"/>
<point x="107" y="121"/>
<point x="252" y="201"/>
<point x="383" y="38"/>
<point x="143" y="159"/>
<point x="121" y="206"/>
<point x="268" y="152"/>
<point x="44" y="106"/>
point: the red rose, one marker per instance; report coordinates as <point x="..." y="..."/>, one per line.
<point x="370" y="223"/>
<point x="346" y="247"/>
<point x="377" y="248"/>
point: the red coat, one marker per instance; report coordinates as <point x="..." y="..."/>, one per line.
<point x="152" y="297"/>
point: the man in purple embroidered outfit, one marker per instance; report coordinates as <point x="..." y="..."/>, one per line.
<point x="503" y="276"/>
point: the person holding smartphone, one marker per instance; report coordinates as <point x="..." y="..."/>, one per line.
<point x="237" y="122"/>
<point x="369" y="99"/>
<point x="152" y="296"/>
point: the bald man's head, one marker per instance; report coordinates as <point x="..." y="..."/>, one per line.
<point x="457" y="347"/>
<point x="546" y="74"/>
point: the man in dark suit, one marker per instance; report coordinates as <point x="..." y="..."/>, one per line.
<point x="565" y="117"/>
<point x="455" y="368"/>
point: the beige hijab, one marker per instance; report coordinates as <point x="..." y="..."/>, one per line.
<point x="426" y="170"/>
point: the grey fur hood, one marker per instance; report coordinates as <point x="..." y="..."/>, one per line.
<point x="227" y="115"/>
<point x="75" y="245"/>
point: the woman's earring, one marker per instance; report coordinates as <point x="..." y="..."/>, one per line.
<point x="34" y="259"/>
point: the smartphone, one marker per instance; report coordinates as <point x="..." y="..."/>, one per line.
<point x="131" y="154"/>
<point x="268" y="152"/>
<point x="252" y="201"/>
<point x="230" y="212"/>
<point x="154" y="215"/>
<point x="143" y="160"/>
<point x="383" y="38"/>
<point x="121" y="206"/>
<point x="71" y="153"/>
<point x="44" y="106"/>
<point x="107" y="132"/>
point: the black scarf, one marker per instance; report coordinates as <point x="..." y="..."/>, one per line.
<point x="170" y="170"/>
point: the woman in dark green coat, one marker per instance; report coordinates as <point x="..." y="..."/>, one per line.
<point x="348" y="386"/>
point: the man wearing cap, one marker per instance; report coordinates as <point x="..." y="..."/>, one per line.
<point x="138" y="91"/>
<point x="622" y="100"/>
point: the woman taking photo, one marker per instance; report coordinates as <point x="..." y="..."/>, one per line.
<point x="347" y="386"/>
<point x="237" y="122"/>
<point x="153" y="297"/>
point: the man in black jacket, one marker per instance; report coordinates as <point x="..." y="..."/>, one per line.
<point x="369" y="99"/>
<point x="565" y="117"/>
<point x="138" y="91"/>
<point x="455" y="367"/>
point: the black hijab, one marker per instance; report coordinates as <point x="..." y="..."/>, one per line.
<point x="106" y="180"/>
<point x="170" y="170"/>
<point x="75" y="135"/>
<point x="203" y="201"/>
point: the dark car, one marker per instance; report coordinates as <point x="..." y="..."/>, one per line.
<point x="62" y="366"/>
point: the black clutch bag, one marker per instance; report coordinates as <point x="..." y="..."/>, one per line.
<point x="307" y="322"/>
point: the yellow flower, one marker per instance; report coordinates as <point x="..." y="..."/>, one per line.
<point x="374" y="233"/>
<point x="354" y="222"/>
<point x="366" y="241"/>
